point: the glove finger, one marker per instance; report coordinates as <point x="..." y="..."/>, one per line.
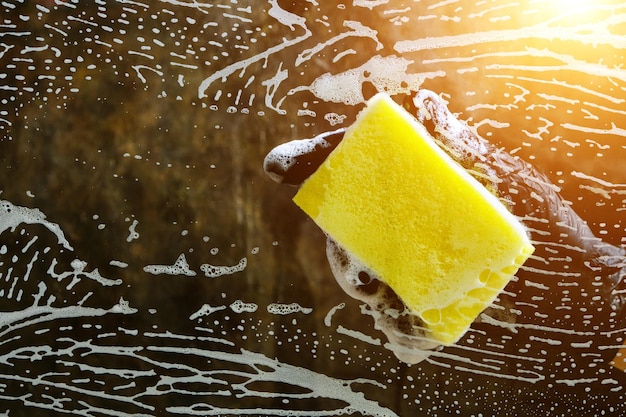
<point x="293" y="162"/>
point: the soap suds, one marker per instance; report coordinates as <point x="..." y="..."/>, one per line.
<point x="214" y="271"/>
<point x="12" y="216"/>
<point x="285" y="309"/>
<point x="405" y="330"/>
<point x="180" y="267"/>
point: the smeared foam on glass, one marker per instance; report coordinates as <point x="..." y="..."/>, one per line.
<point x="239" y="306"/>
<point x="214" y="271"/>
<point x="285" y="309"/>
<point x="386" y="73"/>
<point x="180" y="267"/>
<point x="12" y="216"/>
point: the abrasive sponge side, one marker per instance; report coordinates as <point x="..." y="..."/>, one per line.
<point x="394" y="199"/>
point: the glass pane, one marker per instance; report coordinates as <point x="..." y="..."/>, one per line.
<point x="149" y="266"/>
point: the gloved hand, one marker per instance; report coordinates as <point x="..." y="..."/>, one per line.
<point x="568" y="290"/>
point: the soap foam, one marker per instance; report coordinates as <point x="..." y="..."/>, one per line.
<point x="454" y="136"/>
<point x="385" y="73"/>
<point x="408" y="338"/>
<point x="285" y="309"/>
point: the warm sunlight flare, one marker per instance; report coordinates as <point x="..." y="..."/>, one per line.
<point x="577" y="11"/>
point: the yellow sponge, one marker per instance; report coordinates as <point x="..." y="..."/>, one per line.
<point x="397" y="202"/>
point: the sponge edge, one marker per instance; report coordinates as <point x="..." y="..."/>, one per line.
<point x="399" y="204"/>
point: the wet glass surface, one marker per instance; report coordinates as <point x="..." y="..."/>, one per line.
<point x="149" y="266"/>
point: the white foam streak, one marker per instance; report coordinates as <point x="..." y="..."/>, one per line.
<point x="357" y="29"/>
<point x="282" y="309"/>
<point x="511" y="35"/>
<point x="614" y="130"/>
<point x="264" y="369"/>
<point x="283" y="17"/>
<point x="214" y="271"/>
<point x="37" y="314"/>
<point x="180" y="267"/>
<point x="11" y="216"/>
<point x="386" y="73"/>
